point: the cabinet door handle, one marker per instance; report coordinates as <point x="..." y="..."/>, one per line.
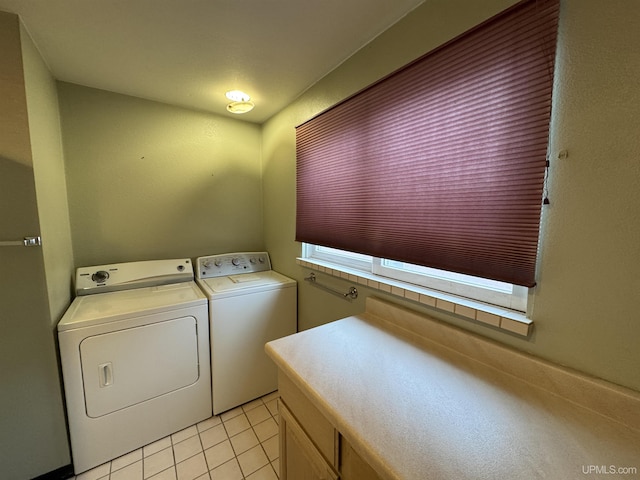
<point x="106" y="374"/>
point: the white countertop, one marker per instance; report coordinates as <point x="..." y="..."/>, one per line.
<point x="417" y="409"/>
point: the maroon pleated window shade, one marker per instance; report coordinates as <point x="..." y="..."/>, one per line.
<point x="441" y="163"/>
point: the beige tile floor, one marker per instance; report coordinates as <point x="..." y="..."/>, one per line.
<point x="241" y="444"/>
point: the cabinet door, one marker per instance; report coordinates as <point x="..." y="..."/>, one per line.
<point x="312" y="420"/>
<point x="352" y="466"/>
<point x="299" y="458"/>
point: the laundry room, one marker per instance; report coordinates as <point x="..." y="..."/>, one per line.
<point x="106" y="177"/>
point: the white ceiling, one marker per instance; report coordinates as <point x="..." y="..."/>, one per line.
<point x="190" y="52"/>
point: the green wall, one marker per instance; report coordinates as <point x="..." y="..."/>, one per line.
<point x="49" y="174"/>
<point x="584" y="305"/>
<point x="34" y="283"/>
<point x="150" y="181"/>
<point x="146" y="180"/>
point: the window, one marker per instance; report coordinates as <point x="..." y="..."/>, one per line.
<point x="484" y="290"/>
<point x="442" y="163"/>
<point x="340" y="257"/>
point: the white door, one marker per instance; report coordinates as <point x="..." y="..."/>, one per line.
<point x="127" y="367"/>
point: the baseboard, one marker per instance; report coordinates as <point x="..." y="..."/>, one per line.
<point x="61" y="473"/>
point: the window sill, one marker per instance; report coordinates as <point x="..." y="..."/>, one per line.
<point x="502" y="318"/>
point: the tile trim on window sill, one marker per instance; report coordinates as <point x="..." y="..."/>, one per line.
<point x="502" y="318"/>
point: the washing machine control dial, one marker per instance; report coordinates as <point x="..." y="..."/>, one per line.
<point x="226" y="264"/>
<point x="100" y="276"/>
<point x="210" y="263"/>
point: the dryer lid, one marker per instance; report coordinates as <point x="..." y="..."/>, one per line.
<point x="112" y="306"/>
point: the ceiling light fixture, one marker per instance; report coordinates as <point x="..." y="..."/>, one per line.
<point x="240" y="107"/>
<point x="240" y="102"/>
<point x="237" y="96"/>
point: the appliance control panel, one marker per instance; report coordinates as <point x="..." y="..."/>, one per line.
<point x="126" y="276"/>
<point x="232" y="264"/>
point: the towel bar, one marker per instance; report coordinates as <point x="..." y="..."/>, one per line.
<point x="25" y="242"/>
<point x="350" y="295"/>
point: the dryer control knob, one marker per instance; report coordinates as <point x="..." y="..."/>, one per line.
<point x="235" y="261"/>
<point x="100" y="276"/>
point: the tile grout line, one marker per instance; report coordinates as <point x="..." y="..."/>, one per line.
<point x="262" y="403"/>
<point x="251" y="427"/>
<point x="261" y="443"/>
<point x="202" y="451"/>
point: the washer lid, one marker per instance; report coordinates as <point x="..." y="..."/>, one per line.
<point x="244" y="283"/>
<point x="105" y="307"/>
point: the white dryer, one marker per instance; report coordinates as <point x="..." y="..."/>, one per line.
<point x="249" y="305"/>
<point x="134" y="346"/>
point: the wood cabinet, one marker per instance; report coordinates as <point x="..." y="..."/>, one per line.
<point x="310" y="447"/>
<point x="353" y="466"/>
<point x="300" y="459"/>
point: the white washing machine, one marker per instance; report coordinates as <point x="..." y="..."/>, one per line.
<point x="134" y="346"/>
<point x="249" y="305"/>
